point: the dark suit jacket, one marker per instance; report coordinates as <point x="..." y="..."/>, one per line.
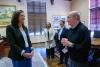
<point x="64" y="34"/>
<point x="81" y="38"/>
<point x="16" y="41"/>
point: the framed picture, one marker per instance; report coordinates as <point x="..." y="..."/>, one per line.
<point x="6" y="12"/>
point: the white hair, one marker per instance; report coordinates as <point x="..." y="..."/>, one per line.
<point x="75" y="14"/>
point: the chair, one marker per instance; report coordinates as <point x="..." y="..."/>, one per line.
<point x="96" y="34"/>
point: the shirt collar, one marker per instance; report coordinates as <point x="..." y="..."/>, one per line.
<point x="62" y="27"/>
<point x="75" y="25"/>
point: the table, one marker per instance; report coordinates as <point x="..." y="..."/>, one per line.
<point x="4" y="48"/>
<point x="95" y="42"/>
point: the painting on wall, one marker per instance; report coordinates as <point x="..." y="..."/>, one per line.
<point x="6" y="12"/>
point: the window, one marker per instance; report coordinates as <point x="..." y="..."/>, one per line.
<point x="36" y="16"/>
<point x="95" y="15"/>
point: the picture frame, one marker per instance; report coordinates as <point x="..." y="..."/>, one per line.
<point x="6" y="12"/>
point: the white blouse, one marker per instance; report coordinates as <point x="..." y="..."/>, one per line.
<point x="25" y="38"/>
<point x="51" y="37"/>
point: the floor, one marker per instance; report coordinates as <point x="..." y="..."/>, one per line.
<point x="40" y="47"/>
<point x="51" y="62"/>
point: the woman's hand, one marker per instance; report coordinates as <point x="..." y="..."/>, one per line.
<point x="31" y="54"/>
<point x="28" y="55"/>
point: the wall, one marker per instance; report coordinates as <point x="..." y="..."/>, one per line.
<point x="61" y="7"/>
<point x="83" y="7"/>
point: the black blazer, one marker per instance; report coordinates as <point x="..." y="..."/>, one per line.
<point x="80" y="36"/>
<point x="16" y="41"/>
<point x="64" y="34"/>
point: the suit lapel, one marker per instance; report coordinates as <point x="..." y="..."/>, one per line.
<point x="62" y="32"/>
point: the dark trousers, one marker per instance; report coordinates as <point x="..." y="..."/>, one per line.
<point x="50" y="53"/>
<point x="66" y="59"/>
<point x="61" y="57"/>
<point x="61" y="54"/>
<point x="77" y="64"/>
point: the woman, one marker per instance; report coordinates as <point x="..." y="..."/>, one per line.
<point x="19" y="41"/>
<point x="49" y="35"/>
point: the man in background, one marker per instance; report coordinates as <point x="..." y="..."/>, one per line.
<point x="62" y="32"/>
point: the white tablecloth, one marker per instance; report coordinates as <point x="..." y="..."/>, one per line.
<point x="37" y="61"/>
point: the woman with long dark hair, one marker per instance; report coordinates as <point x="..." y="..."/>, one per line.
<point x="19" y="41"/>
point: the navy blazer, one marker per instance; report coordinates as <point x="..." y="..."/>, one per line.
<point x="64" y="34"/>
<point x="16" y="41"/>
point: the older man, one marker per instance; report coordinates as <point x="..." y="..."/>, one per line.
<point x="78" y="41"/>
